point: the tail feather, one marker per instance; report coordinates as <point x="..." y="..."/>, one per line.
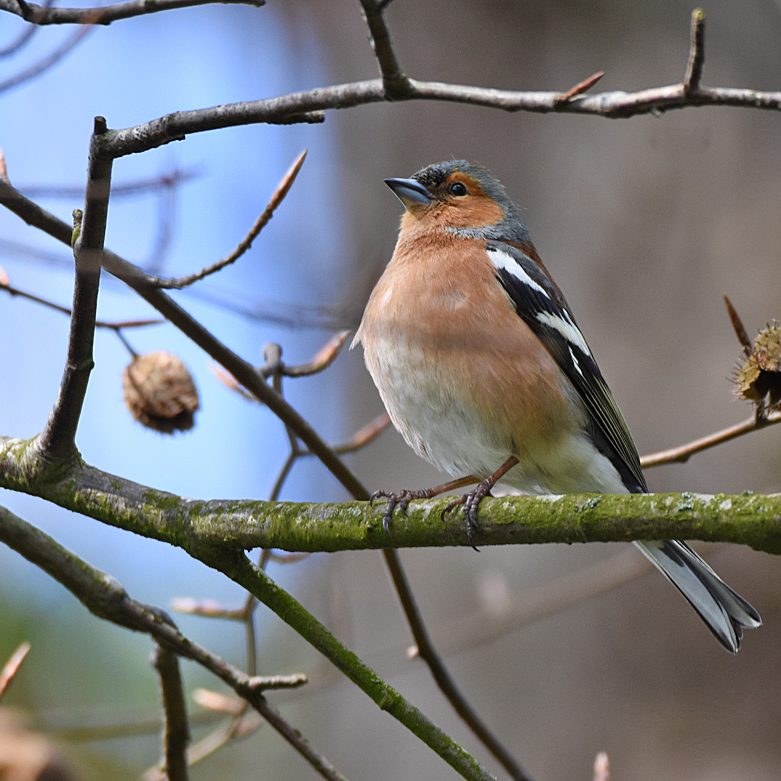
<point x="723" y="610"/>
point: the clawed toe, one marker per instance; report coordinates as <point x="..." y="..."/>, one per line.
<point x="400" y="499"/>
<point x="471" y="502"/>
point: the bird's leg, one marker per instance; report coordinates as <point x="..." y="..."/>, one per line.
<point x="401" y="499"/>
<point x="471" y="500"/>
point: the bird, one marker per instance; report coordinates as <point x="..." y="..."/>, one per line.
<point x="486" y="374"/>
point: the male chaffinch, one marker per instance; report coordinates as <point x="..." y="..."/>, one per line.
<point x="485" y="373"/>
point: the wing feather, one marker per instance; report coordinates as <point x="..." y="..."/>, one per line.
<point x="543" y="308"/>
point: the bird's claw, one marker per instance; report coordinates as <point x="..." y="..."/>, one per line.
<point x="471" y="502"/>
<point x="400" y="499"/>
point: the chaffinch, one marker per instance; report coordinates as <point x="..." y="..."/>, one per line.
<point x="486" y="374"/>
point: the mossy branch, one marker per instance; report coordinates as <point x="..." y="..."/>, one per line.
<point x="195" y="525"/>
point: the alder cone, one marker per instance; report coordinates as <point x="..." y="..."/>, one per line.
<point x="160" y="392"/>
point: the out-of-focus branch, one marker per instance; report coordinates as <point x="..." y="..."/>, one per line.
<point x="105" y="597"/>
<point x="42" y="14"/>
<point x="113" y="325"/>
<point x="165" y="181"/>
<point x="23" y="38"/>
<point x="276" y="199"/>
<point x="46" y="62"/>
<point x="176" y="732"/>
<point x="683" y="453"/>
<point x="11" y="667"/>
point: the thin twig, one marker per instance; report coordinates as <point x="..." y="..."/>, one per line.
<point x="446" y="683"/>
<point x="691" y="80"/>
<point x="322" y="359"/>
<point x="46" y="62"/>
<point x="11" y="667"/>
<point x="362" y="437"/>
<point x="277" y="197"/>
<point x="395" y="83"/>
<point x="176" y="731"/>
<point x="113" y="325"/>
<point x="212" y="742"/>
<point x="23" y="38"/>
<point x="58" y="438"/>
<point x="42" y="14"/>
<point x="683" y="453"/>
<point x="165" y="181"/>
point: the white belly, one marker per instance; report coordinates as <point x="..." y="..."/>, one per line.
<point x="448" y="431"/>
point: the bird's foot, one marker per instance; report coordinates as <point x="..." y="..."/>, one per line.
<point x="471" y="502"/>
<point x="400" y="499"/>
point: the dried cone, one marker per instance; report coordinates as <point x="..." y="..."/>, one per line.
<point x="760" y="374"/>
<point x="160" y="393"/>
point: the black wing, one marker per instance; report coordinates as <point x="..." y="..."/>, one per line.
<point x="542" y="307"/>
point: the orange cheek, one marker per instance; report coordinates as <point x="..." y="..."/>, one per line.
<point x="476" y="212"/>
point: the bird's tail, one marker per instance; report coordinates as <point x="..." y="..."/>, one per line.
<point x="724" y="611"/>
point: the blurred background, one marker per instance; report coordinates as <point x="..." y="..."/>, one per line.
<point x="646" y="222"/>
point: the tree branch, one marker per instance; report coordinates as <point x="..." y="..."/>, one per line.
<point x="683" y="453"/>
<point x="691" y="80"/>
<point x="41" y="14"/>
<point x="277" y="197"/>
<point x="395" y="82"/>
<point x="176" y="732"/>
<point x="58" y="438"/>
<point x="746" y="519"/>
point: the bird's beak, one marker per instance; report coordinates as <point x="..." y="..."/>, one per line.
<point x="410" y="192"/>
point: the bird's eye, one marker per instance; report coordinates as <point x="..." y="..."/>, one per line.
<point x="457" y="188"/>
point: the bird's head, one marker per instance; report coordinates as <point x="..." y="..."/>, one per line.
<point x="460" y="197"/>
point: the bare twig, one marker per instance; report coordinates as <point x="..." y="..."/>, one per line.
<point x="682" y="453"/>
<point x="278" y="196"/>
<point x="303" y="106"/>
<point x="23" y="38"/>
<point x="165" y="181"/>
<point x="176" y="732"/>
<point x="11" y="667"/>
<point x="364" y="435"/>
<point x="58" y="438"/>
<point x="322" y="359"/>
<point x="42" y="14"/>
<point x="446" y="683"/>
<point x="691" y="80"/>
<point x="395" y="83"/>
<point x="114" y="325"/>
<point x="49" y="61"/>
